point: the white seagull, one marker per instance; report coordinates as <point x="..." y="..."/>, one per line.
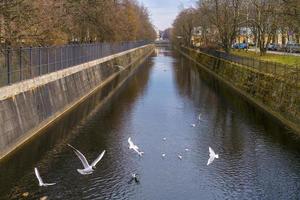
<point x="179" y="156"/>
<point x="163" y="155"/>
<point x="212" y="156"/>
<point x="193" y="125"/>
<point x="135" y="177"/>
<point x="199" y="117"/>
<point x="88" y="169"/>
<point x="186" y="149"/>
<point x="134" y="147"/>
<point x="164" y="139"/>
<point x="41" y="183"/>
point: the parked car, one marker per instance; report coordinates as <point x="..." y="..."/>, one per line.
<point x="240" y="46"/>
<point x="251" y="44"/>
<point x="274" y="47"/>
<point x="292" y="47"/>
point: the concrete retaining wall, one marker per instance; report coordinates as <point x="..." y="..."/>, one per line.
<point x="28" y="107"/>
<point x="275" y="96"/>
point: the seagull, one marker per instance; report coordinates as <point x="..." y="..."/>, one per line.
<point x="164" y="139"/>
<point x="163" y="155"/>
<point x="134" y="147"/>
<point x="88" y="169"/>
<point x="193" y="125"/>
<point x="199" y="117"/>
<point x="212" y="156"/>
<point x="180" y="157"/>
<point x="41" y="183"/>
<point x="134" y="177"/>
<point x="186" y="149"/>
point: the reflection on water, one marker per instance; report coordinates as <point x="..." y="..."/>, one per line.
<point x="259" y="159"/>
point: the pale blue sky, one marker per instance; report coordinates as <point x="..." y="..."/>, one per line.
<point x="163" y="12"/>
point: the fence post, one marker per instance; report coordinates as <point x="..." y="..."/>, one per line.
<point x="61" y="57"/>
<point x="297" y="71"/>
<point x="30" y="62"/>
<point x="67" y="56"/>
<point x="7" y="58"/>
<point x="54" y="58"/>
<point x="73" y="55"/>
<point x="20" y="64"/>
<point x="48" y="60"/>
<point x="40" y="60"/>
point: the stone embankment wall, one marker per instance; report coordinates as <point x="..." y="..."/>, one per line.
<point x="28" y="107"/>
<point x="278" y="97"/>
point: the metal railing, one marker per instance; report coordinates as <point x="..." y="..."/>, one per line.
<point x="25" y="63"/>
<point x="290" y="72"/>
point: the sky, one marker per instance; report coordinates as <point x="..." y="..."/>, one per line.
<point x="163" y="12"/>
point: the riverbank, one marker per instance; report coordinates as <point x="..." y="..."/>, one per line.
<point x="28" y="107"/>
<point x="275" y="96"/>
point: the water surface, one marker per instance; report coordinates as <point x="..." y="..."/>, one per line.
<point x="259" y="159"/>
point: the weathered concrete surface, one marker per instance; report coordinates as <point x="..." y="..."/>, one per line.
<point x="277" y="97"/>
<point x="30" y="106"/>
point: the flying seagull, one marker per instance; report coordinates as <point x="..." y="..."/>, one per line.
<point x="199" y="117"/>
<point x="88" y="169"/>
<point x="39" y="178"/>
<point x="134" y="147"/>
<point x="212" y="156"/>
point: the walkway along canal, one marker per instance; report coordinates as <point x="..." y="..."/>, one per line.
<point x="259" y="159"/>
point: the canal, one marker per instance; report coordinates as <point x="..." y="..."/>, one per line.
<point x="259" y="159"/>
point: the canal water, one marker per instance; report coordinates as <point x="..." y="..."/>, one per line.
<point x="258" y="158"/>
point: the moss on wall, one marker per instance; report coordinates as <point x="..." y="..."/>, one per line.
<point x="278" y="96"/>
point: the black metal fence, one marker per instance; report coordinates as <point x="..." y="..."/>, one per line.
<point x="291" y="72"/>
<point x="25" y="63"/>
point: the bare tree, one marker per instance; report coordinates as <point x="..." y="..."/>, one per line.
<point x="41" y="22"/>
<point x="265" y="18"/>
<point x="184" y="25"/>
<point x="223" y="16"/>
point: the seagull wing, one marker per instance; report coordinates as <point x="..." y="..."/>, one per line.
<point x="131" y="145"/>
<point x="80" y="156"/>
<point x="211" y="152"/>
<point x="98" y="159"/>
<point x="130" y="142"/>
<point x="210" y="160"/>
<point x="37" y="174"/>
<point x="48" y="184"/>
<point x="136" y="150"/>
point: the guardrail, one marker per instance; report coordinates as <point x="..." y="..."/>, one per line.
<point x="25" y="63"/>
<point x="288" y="72"/>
